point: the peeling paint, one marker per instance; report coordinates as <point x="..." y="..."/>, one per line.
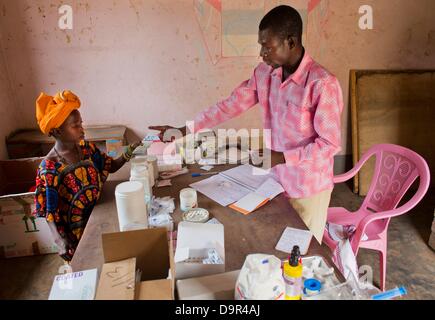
<point x="68" y="39"/>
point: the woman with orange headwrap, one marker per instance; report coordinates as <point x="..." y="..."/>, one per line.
<point x="70" y="178"/>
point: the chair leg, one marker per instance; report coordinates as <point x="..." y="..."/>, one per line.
<point x="382" y="268"/>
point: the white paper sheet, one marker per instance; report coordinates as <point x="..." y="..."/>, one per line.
<point x="74" y="286"/>
<point x="294" y="237"/>
<point x="207" y="168"/>
<point x="220" y="189"/>
<point x="249" y="176"/>
<point x="270" y="189"/>
<point x="250" y="201"/>
<point x="232" y="185"/>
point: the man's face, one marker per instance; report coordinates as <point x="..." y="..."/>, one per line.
<point x="274" y="51"/>
<point x="72" y="130"/>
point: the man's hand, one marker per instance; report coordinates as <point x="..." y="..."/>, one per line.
<point x="168" y="131"/>
<point x="277" y="158"/>
<point x="266" y="157"/>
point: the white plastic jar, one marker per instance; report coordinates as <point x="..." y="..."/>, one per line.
<point x="131" y="207"/>
<point x="152" y="162"/>
<point x="188" y="199"/>
<point x="139" y="172"/>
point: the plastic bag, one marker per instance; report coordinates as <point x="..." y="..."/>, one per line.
<point x="160" y="213"/>
<point x="260" y="279"/>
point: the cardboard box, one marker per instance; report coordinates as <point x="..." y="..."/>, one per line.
<point x="193" y="242"/>
<point x="148" y="250"/>
<point x="215" y="287"/>
<point x="21" y="234"/>
<point x="117" y="280"/>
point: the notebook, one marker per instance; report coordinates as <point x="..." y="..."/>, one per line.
<point x="244" y="188"/>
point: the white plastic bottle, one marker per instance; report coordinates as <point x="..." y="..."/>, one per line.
<point x="130" y="204"/>
<point x="140" y="172"/>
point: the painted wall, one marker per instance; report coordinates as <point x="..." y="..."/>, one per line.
<point x="403" y="37"/>
<point x="8" y="116"/>
<point x="143" y="62"/>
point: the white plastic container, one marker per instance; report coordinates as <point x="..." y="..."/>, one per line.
<point x="140" y="173"/>
<point x="152" y="161"/>
<point x="143" y="162"/>
<point x="140" y="163"/>
<point x="131" y="207"/>
<point x="188" y="199"/>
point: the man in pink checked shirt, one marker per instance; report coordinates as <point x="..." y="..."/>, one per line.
<point x="301" y="106"/>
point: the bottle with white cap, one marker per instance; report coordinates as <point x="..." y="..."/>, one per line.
<point x="131" y="207"/>
<point x="152" y="162"/>
<point x="140" y="172"/>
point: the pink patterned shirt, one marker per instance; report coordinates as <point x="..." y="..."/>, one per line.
<point x="303" y="114"/>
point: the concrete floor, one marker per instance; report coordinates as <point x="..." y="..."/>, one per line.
<point x="411" y="262"/>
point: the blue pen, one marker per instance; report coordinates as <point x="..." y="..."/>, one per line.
<point x="390" y="294"/>
<point x="202" y="174"/>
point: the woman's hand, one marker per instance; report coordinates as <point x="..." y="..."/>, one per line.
<point x="168" y="131"/>
<point x="134" y="145"/>
<point x="61" y="243"/>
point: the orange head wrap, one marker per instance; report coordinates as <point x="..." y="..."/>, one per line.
<point x="51" y="112"/>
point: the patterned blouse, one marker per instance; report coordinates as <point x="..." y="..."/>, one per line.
<point x="67" y="193"/>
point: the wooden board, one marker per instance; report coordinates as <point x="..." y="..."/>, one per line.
<point x="396" y="106"/>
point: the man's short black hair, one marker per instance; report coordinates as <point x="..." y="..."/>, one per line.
<point x="283" y="21"/>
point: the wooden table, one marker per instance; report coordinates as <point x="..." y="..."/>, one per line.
<point x="258" y="232"/>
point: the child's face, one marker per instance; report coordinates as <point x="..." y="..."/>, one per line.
<point x="72" y="130"/>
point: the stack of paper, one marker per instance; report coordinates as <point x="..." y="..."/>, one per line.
<point x="253" y="200"/>
<point x="245" y="188"/>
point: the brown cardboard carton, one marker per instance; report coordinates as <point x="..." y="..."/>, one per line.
<point x="21" y="234"/>
<point x="152" y="251"/>
<point x="117" y="280"/>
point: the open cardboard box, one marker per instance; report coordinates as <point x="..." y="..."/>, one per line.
<point x="213" y="287"/>
<point x="193" y="241"/>
<point x="148" y="250"/>
<point x="21" y="234"/>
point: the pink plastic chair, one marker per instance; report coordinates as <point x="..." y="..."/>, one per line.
<point x="396" y="169"/>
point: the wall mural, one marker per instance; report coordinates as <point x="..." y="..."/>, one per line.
<point x="229" y="28"/>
